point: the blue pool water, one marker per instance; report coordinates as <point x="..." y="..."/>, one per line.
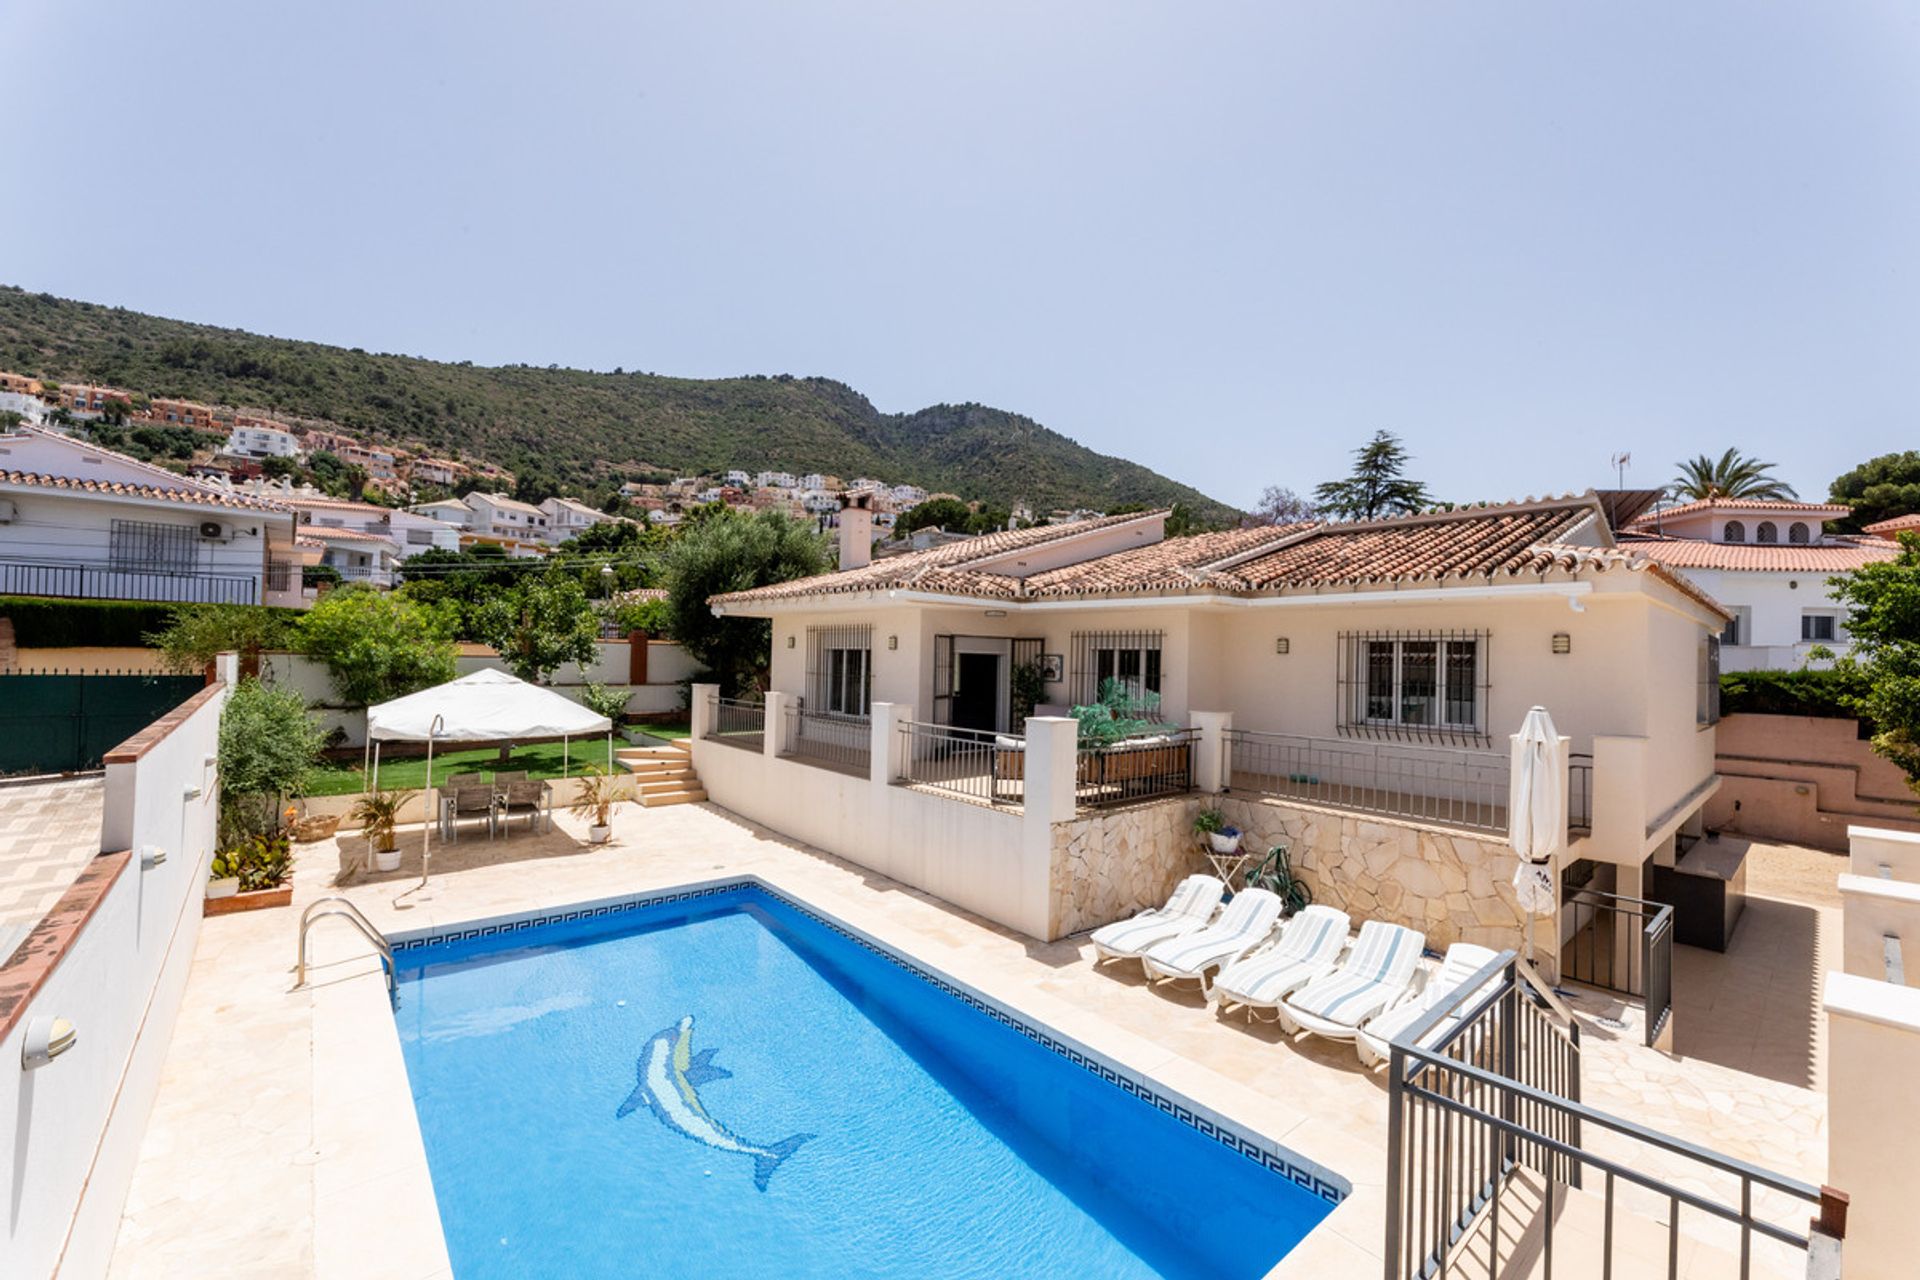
<point x="727" y="1087"/>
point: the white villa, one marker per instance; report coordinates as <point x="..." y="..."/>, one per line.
<point x="1768" y="563"/>
<point x="261" y="442"/>
<point x="78" y="520"/>
<point x="1351" y="687"/>
<point x="566" y="518"/>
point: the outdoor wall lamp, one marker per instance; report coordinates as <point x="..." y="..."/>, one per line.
<point x="1562" y="642"/>
<point x="893" y="642"/>
<point x="190" y="793"/>
<point x="152" y="856"/>
<point x="1282" y="645"/>
<point x="47" y="1038"/>
<point x="789" y="642"/>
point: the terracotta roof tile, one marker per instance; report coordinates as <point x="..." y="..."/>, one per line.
<point x="1837" y="555"/>
<point x="1825" y="510"/>
<point x="1895" y="525"/>
<point x="1475" y="542"/>
<point x="328" y="533"/>
<point x="122" y="489"/>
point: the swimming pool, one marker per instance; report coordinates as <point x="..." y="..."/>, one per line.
<point x="725" y="1083"/>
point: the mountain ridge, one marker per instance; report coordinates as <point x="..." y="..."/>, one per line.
<point x="584" y="428"/>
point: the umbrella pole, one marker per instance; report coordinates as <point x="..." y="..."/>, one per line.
<point x="366" y="754"/>
<point x="372" y="787"/>
<point x="427" y="807"/>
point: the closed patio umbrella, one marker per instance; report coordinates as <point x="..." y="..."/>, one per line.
<point x="1536" y="814"/>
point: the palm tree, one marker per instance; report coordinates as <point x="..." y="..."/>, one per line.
<point x="1732" y="475"/>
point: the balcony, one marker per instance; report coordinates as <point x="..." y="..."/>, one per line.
<point x="1449" y="786"/>
<point x="106" y="582"/>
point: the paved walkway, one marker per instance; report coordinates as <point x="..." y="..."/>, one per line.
<point x="230" y="1170"/>
<point x="48" y="831"/>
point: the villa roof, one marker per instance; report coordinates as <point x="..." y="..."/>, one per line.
<point x="1835" y="555"/>
<point x="1887" y="528"/>
<point x="329" y="533"/>
<point x="336" y="504"/>
<point x="191" y="496"/>
<point x="1824" y="510"/>
<point x="1475" y="543"/>
<point x="505" y="503"/>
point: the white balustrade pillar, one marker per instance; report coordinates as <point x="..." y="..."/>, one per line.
<point x="774" y="741"/>
<point x="1212" y="763"/>
<point x="885" y="757"/>
<point x="701" y="711"/>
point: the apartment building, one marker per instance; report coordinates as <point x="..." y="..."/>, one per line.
<point x="261" y="440"/>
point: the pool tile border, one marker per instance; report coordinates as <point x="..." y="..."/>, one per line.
<point x="1290" y="1165"/>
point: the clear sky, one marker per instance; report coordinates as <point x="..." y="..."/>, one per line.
<point x="1228" y="240"/>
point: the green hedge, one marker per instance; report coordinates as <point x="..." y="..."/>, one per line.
<point x="1786" y="693"/>
<point x="42" y="623"/>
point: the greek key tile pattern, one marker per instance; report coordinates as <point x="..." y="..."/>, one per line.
<point x="1275" y="1158"/>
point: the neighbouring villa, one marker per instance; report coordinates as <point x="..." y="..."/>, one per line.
<point x="1293" y="902"/>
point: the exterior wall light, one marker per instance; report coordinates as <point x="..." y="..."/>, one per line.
<point x="1283" y="645"/>
<point x="47" y="1038"/>
<point x="893" y="642"/>
<point x="1562" y="642"/>
<point x="789" y="642"/>
<point x="152" y="856"/>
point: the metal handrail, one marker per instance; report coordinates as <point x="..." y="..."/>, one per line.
<point x="345" y="910"/>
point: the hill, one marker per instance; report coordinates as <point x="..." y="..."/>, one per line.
<point x="585" y="429"/>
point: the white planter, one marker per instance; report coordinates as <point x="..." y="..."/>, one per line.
<point x="386" y="859"/>
<point x="599" y="835"/>
<point x="223" y="888"/>
<point x="1224" y="843"/>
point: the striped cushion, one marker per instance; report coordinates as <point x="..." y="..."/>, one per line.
<point x="1310" y="943"/>
<point x="1247" y="919"/>
<point x="1192" y="902"/>
<point x="1380" y="965"/>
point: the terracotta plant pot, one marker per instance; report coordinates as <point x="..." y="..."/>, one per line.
<point x="223" y="888"/>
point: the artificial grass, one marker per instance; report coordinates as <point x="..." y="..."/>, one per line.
<point x="542" y="760"/>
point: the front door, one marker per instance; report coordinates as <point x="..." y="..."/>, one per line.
<point x="976" y="691"/>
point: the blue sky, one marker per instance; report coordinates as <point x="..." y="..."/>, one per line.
<point x="1226" y="240"/>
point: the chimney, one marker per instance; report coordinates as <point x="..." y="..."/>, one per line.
<point x="856" y="530"/>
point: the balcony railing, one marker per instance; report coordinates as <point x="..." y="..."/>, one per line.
<point x="972" y="764"/>
<point x="1624" y="945"/>
<point x="1138" y="768"/>
<point x="828" y="739"/>
<point x="1580" y="793"/>
<point x="737" y="722"/>
<point x="104" y="582"/>
<point x="1454" y="786"/>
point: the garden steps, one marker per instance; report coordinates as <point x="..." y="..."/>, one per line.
<point x="663" y="775"/>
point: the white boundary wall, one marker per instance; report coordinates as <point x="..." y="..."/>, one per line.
<point x="74" y="1125"/>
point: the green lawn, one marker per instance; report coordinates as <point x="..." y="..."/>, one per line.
<point x="341" y="778"/>
<point x="664" y="730"/>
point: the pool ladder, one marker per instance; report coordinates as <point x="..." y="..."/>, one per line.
<point x="337" y="906"/>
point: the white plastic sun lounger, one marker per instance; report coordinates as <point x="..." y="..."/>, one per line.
<point x="1308" y="948"/>
<point x="1376" y="973"/>
<point x="1243" y="925"/>
<point x="1462" y="961"/>
<point x="1188" y="909"/>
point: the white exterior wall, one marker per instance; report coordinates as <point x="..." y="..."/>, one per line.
<point x="1771" y="604"/>
<point x="262" y="442"/>
<point x="75" y="1124"/>
<point x="67" y="528"/>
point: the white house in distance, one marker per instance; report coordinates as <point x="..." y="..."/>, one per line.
<point x="259" y="441"/>
<point x="1352" y="688"/>
<point x="1768" y="563"/>
<point x="78" y="520"/>
<point x="501" y="516"/>
<point x="364" y="542"/>
<point x="566" y="518"/>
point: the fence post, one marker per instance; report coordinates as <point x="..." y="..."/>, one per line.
<point x="1212" y="762"/>
<point x="884" y="759"/>
<point x="773" y="738"/>
<point x="701" y="712"/>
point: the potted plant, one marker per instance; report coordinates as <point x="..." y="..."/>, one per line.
<point x="1213" y="824"/>
<point x="257" y="872"/>
<point x="599" y="792"/>
<point x="378" y="813"/>
<point x="223" y="877"/>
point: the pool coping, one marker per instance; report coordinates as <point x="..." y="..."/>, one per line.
<point x="412" y="1233"/>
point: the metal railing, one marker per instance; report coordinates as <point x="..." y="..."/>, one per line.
<point x="1451" y="785"/>
<point x="973" y="764"/>
<point x="1624" y="945"/>
<point x="319" y="910"/>
<point x="737" y="722"/>
<point x="1579" y="792"/>
<point x="98" y="582"/>
<point x="1486" y="1087"/>
<point x="1137" y="768"/>
<point x="828" y="739"/>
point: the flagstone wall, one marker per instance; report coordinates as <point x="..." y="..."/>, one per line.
<point x="1108" y="865"/>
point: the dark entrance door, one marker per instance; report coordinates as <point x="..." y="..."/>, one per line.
<point x="976" y="691"/>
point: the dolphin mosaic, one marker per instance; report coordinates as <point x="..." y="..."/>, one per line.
<point x="670" y="1078"/>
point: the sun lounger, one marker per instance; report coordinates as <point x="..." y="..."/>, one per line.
<point x="1189" y="908"/>
<point x="1463" y="960"/>
<point x="1243" y="925"/>
<point x="1309" y="948"/>
<point x="1376" y="973"/>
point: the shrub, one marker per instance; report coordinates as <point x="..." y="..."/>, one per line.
<point x="539" y="625"/>
<point x="610" y="702"/>
<point x="268" y="743"/>
<point x="377" y="646"/>
<point x="730" y="552"/>
<point x="67" y="624"/>
<point x="1788" y="693"/>
<point x="196" y="632"/>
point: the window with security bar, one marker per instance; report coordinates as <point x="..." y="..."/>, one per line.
<point x="150" y="546"/>
<point x="840" y="670"/>
<point x="1130" y="658"/>
<point x="1423" y="685"/>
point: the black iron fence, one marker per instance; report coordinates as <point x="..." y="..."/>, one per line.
<point x="1484" y="1107"/>
<point x="828" y="739"/>
<point x="1579" y="792"/>
<point x="737" y="722"/>
<point x="1623" y="945"/>
<point x="1452" y="785"/>
<point x="62" y="722"/>
<point x="105" y="582"/>
<point x="1139" y="768"/>
<point x="972" y="764"/>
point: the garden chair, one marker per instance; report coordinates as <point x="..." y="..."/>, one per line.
<point x="1187" y="910"/>
<point x="529" y="798"/>
<point x="471" y="803"/>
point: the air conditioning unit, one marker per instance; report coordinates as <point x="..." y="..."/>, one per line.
<point x="213" y="531"/>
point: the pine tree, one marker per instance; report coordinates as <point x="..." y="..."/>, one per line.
<point x="1377" y="486"/>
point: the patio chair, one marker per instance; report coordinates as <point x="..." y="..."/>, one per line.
<point x="1243" y="925"/>
<point x="1309" y="948"/>
<point x="1463" y="960"/>
<point x="470" y="803"/>
<point x="523" y="797"/>
<point x="1376" y="973"/>
<point x="1188" y="908"/>
<point x="507" y="776"/>
<point x="458" y="780"/>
